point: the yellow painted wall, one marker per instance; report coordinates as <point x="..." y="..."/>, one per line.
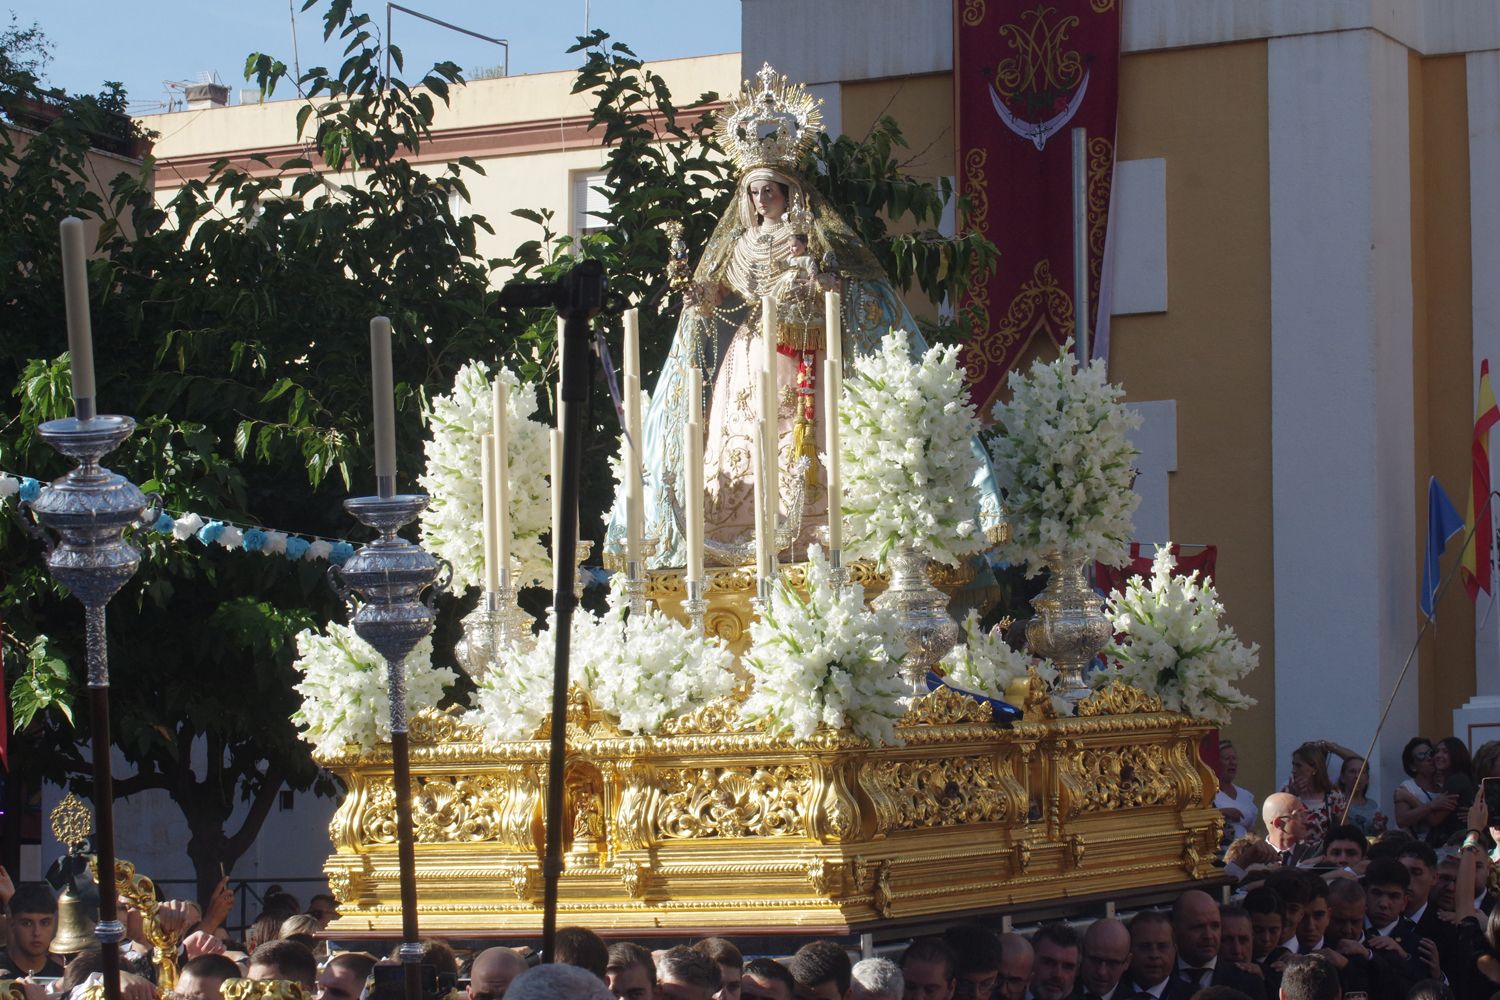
<point x="1442" y="366"/>
<point x="1204" y="111"/>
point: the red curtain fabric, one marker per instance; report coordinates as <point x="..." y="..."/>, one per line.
<point x="1111" y="578"/>
<point x="1024" y="76"/>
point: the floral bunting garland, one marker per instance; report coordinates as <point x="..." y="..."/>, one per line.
<point x="225" y="534"/>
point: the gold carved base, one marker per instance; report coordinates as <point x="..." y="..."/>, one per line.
<point x="729" y="592"/>
<point x="714" y="825"/>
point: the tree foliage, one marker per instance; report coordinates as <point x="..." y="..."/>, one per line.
<point x="231" y="322"/>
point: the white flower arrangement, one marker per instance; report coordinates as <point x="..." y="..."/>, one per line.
<point x="344" y="691"/>
<point x="985" y="663"/>
<point x="905" y="427"/>
<point x="451" y="524"/>
<point x="643" y="670"/>
<point x="1064" y="462"/>
<point x="1175" y="646"/>
<point x="825" y="659"/>
<point x="652" y="668"/>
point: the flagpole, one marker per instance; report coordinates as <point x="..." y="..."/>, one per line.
<point x="1416" y="644"/>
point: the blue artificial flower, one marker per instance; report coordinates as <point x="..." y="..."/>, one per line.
<point x="164" y="524"/>
<point x="295" y="547"/>
<point x="255" y="540"/>
<point x="30" y="489"/>
<point x="210" y="532"/>
<point x="340" y="553"/>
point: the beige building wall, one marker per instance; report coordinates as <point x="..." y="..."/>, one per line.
<point x="529" y="134"/>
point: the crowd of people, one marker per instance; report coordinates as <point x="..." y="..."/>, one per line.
<point x="1332" y="896"/>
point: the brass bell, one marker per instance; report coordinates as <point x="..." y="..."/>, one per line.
<point x="77" y="912"/>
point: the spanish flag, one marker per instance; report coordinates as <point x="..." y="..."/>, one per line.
<point x="1475" y="567"/>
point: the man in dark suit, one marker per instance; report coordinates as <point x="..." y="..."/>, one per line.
<point x="1196" y="928"/>
<point x="1379" y="975"/>
<point x="1153" y="960"/>
<point x="1387" y="883"/>
<point x="1106" y="957"/>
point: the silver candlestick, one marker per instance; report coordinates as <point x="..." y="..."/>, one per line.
<point x="397" y="583"/>
<point x="89" y="510"/>
<point x="695" y="606"/>
<point x="497" y="624"/>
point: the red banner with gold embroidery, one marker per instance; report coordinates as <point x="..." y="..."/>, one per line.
<point x="1025" y="75"/>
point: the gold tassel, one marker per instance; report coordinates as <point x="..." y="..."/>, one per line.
<point x="803" y="444"/>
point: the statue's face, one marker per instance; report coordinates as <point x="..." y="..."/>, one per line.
<point x="769" y="199"/>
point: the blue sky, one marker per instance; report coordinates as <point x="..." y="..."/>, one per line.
<point x="145" y="42"/>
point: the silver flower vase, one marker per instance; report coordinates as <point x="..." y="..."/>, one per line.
<point x="1069" y="628"/>
<point x="921" y="612"/>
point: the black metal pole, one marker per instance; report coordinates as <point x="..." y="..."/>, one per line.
<point x="586" y="284"/>
<point x="109" y="931"/>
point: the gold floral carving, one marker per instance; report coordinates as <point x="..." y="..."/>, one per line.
<point x="1038" y="704"/>
<point x="1118" y="698"/>
<point x="881" y="894"/>
<point x="1126" y="777"/>
<point x="450" y="809"/>
<point x="718" y="716"/>
<point x="636" y="878"/>
<point x="973" y="12"/>
<point x="1076" y="849"/>
<point x="923" y="794"/>
<point x="734" y="802"/>
<point x="945" y="707"/>
<point x="1023" y="856"/>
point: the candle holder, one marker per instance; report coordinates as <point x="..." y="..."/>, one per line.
<point x="89" y="510"/>
<point x="497" y="624"/>
<point x="397" y="583"/>
<point x="695" y="606"/>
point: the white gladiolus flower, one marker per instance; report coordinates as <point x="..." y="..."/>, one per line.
<point x="1064" y="463"/>
<point x="643" y="670"/>
<point x="824" y="659"/>
<point x="1174" y="645"/>
<point x="905" y="429"/>
<point x="344" y="691"/>
<point x="451" y="524"/>
<point x="985" y="663"/>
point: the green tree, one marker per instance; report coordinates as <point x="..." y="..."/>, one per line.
<point x="231" y="323"/>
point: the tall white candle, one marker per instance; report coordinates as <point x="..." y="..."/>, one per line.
<point x="693" y="460"/>
<point x="80" y="326"/>
<point x="757" y="468"/>
<point x="771" y="414"/>
<point x="382" y="379"/>
<point x="487" y="487"/>
<point x="635" y="503"/>
<point x="695" y="393"/>
<point x="631" y="350"/>
<point x="500" y="423"/>
<point x="833" y="325"/>
<point x="833" y="383"/>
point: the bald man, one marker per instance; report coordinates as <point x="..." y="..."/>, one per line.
<point x="1106" y="956"/>
<point x="492" y="971"/>
<point x="1016" y="958"/>
<point x="1286" y="827"/>
<point x="1197" y="930"/>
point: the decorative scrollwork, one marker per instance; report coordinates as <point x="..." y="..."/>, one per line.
<point x="734" y="802"/>
<point x="1118" y="698"/>
<point x="945" y="707"/>
<point x="924" y="793"/>
<point x="722" y="715"/>
<point x="1101" y="779"/>
<point x="881" y="895"/>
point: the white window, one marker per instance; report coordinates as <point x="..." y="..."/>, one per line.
<point x="586" y="201"/>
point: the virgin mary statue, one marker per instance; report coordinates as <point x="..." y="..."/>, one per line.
<point x="780" y="239"/>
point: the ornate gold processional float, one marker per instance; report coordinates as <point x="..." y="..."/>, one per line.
<point x="715" y="824"/>
<point x="757" y="746"/>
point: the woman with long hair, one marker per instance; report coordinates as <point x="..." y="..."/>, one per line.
<point x="1310" y="783"/>
<point x="1364" y="810"/>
